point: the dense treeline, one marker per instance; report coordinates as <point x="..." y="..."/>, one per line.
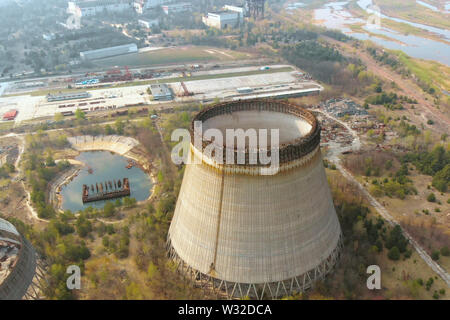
<point x="6" y="170"/>
<point x="382" y="98"/>
<point x="435" y="163"/>
<point x="336" y="35"/>
<point x="326" y="64"/>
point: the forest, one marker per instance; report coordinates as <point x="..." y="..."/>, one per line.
<point x="435" y="163"/>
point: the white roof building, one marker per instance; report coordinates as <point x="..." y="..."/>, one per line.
<point x="92" y="8"/>
<point x="222" y="19"/>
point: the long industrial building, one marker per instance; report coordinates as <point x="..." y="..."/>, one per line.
<point x="244" y="232"/>
<point x="109" y="52"/>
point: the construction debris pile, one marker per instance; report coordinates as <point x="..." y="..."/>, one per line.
<point x="342" y="107"/>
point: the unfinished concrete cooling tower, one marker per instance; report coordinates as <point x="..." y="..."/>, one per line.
<point x="17" y="264"/>
<point x="242" y="233"/>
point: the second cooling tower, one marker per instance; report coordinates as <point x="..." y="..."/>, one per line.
<point x="247" y="233"/>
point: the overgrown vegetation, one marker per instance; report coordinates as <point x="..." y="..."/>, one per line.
<point x="366" y="239"/>
<point x="398" y="186"/>
<point x="435" y="163"/>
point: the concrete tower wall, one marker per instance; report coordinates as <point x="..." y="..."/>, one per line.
<point x="270" y="228"/>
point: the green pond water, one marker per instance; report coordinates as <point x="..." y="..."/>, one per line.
<point x="106" y="166"/>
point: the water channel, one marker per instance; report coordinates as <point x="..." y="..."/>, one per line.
<point x="104" y="166"/>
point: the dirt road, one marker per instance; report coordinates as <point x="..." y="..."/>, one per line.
<point x="335" y="152"/>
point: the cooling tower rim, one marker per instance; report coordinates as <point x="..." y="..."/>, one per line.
<point x="288" y="152"/>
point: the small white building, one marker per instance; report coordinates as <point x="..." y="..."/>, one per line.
<point x="92" y="8"/>
<point x="177" y="7"/>
<point x="222" y="19"/>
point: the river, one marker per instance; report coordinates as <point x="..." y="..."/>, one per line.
<point x="334" y="15"/>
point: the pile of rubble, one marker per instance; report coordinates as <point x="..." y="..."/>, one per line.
<point x="334" y="132"/>
<point x="342" y="107"/>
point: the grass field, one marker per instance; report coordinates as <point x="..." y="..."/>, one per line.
<point x="172" y="55"/>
